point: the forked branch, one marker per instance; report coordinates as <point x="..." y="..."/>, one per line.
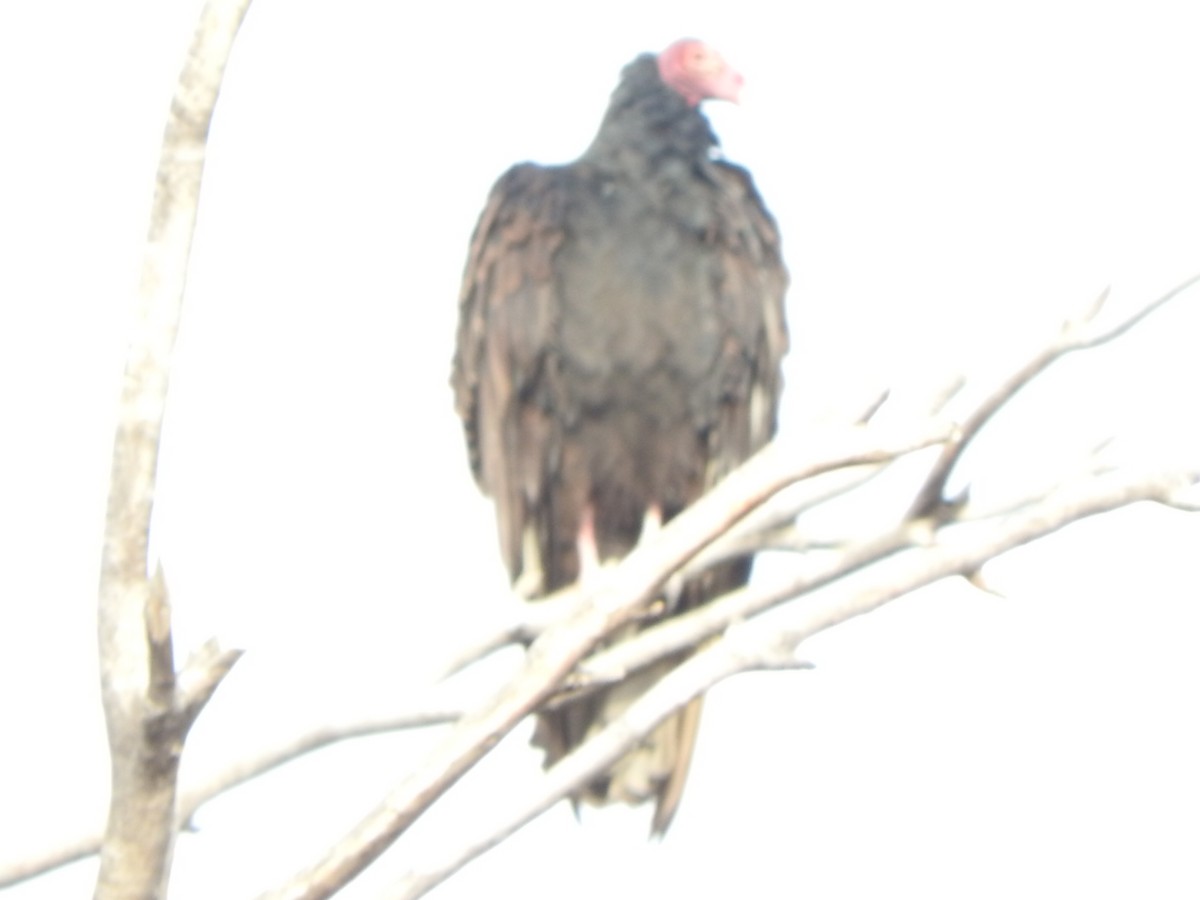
<point x="148" y="706"/>
<point x="617" y="595"/>
<point x="1079" y="333"/>
<point x="772" y="642"/>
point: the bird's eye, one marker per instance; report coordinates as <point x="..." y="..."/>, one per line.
<point x="701" y="59"/>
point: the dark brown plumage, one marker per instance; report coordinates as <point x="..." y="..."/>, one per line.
<point x="619" y="345"/>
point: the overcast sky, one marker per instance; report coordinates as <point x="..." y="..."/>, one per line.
<point x="950" y="183"/>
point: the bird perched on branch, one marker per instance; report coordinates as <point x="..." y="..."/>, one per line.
<point x="619" y="345"/>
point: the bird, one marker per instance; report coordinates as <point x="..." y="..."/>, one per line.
<point x="619" y="346"/>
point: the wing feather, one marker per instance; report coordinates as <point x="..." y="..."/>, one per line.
<point x="753" y="282"/>
<point x="506" y="323"/>
<point x="568" y="383"/>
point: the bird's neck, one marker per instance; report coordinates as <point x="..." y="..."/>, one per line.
<point x="648" y="125"/>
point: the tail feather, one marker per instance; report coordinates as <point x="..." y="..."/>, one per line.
<point x="656" y="769"/>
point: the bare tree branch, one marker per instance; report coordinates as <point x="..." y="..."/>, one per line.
<point x="290" y="748"/>
<point x="523" y="622"/>
<point x="769" y="527"/>
<point x="694" y="627"/>
<point x="1076" y="334"/>
<point x="66" y="850"/>
<point x="526" y="620"/>
<point x="151" y="704"/>
<point x="615" y="597"/>
<point x="772" y="642"/>
<point x="844" y="449"/>
<point x="146" y="713"/>
<point x="763" y="528"/>
<point x="1087" y="338"/>
<point x="198" y="789"/>
<point x="575" y="620"/>
<point x="857" y="449"/>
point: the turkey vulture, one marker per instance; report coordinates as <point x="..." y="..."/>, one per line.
<point x="619" y="344"/>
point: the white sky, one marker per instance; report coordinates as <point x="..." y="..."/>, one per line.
<point x="950" y="184"/>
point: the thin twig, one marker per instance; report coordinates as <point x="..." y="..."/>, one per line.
<point x="197" y="790"/>
<point x="525" y="620"/>
<point x="694" y="627"/>
<point x="773" y="644"/>
<point x="229" y="775"/>
<point x="1076" y="334"/>
<point x="615" y="597"/>
<point x="761" y="528"/>
<point x="528" y="619"/>
<point x="861" y="447"/>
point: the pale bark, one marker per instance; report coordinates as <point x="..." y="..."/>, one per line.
<point x="772" y="643"/>
<point x="149" y="706"/>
